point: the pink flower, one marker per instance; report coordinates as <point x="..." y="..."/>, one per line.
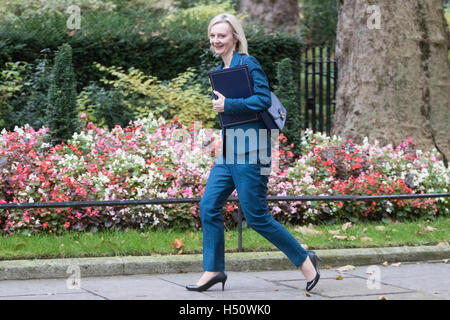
<point x="188" y="191"/>
<point x="171" y="191"/>
<point x="83" y="116"/>
<point x="67" y="224"/>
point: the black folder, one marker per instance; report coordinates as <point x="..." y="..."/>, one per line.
<point x="233" y="83"/>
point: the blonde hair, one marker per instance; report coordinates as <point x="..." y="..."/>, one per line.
<point x="237" y="30"/>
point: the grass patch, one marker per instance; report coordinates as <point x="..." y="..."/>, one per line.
<point x="135" y="242"/>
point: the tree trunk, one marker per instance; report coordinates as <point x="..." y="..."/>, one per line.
<point x="275" y="14"/>
<point x="394" y="80"/>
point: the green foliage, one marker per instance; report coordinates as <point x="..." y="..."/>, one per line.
<point x="287" y="93"/>
<point x="61" y="111"/>
<point x="152" y="41"/>
<point x="318" y="21"/>
<point x="137" y="34"/>
<point x="11" y="81"/>
<point x="30" y="103"/>
<point x="269" y="49"/>
<point x="185" y="4"/>
<point x="12" y="9"/>
<point x="25" y="37"/>
<point x="104" y="108"/>
<point x="193" y="21"/>
<point x="167" y="99"/>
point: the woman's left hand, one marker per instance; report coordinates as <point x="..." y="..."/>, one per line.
<point x="219" y="103"/>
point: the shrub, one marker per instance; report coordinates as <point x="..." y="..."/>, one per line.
<point x="30" y="103"/>
<point x="11" y="82"/>
<point x="149" y="159"/>
<point x="193" y="21"/>
<point x="318" y="21"/>
<point x="61" y="112"/>
<point x="105" y="108"/>
<point x="12" y="9"/>
<point x="287" y="93"/>
<point x="336" y="167"/>
<point x="165" y="99"/>
<point x="157" y="159"/>
<point x="136" y="38"/>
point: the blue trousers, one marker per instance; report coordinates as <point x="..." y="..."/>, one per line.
<point x="251" y="187"/>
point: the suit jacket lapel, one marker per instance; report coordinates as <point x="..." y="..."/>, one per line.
<point x="235" y="59"/>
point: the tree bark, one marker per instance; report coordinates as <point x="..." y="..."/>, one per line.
<point x="275" y="14"/>
<point x="394" y="82"/>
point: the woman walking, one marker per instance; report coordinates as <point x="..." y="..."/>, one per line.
<point x="227" y="40"/>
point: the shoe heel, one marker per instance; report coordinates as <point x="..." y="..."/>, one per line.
<point x="223" y="285"/>
<point x="314" y="256"/>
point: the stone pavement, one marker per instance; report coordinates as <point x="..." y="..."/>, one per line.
<point x="407" y="281"/>
<point x="378" y="273"/>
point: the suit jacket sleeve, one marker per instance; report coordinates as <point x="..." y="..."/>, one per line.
<point x="259" y="101"/>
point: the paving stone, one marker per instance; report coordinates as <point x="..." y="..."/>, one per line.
<point x="136" y="288"/>
<point x="67" y="296"/>
<point x="347" y="287"/>
<point x="34" y="287"/>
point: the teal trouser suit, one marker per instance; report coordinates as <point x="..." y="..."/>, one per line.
<point x="246" y="178"/>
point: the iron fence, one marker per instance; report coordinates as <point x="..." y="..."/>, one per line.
<point x="317" y="87"/>
<point x="115" y="203"/>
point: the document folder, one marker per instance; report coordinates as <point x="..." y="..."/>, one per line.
<point x="233" y="83"/>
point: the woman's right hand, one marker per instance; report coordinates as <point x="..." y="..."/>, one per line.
<point x="219" y="103"/>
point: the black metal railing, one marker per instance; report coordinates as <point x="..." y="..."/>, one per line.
<point x="317" y="87"/>
<point x="116" y="203"/>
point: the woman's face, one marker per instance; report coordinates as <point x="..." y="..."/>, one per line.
<point x="221" y="39"/>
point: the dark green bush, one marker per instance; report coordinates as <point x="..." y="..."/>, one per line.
<point x="106" y="106"/>
<point x="273" y="48"/>
<point x="61" y="112"/>
<point x="319" y="21"/>
<point x="30" y="106"/>
<point x="11" y="83"/>
<point x="128" y="40"/>
<point x="131" y="36"/>
<point x="287" y="93"/>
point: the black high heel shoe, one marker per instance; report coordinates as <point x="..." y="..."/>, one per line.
<point x="220" y="277"/>
<point x="310" y="285"/>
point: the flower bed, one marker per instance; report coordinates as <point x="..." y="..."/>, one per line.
<point x="332" y="166"/>
<point x="153" y="158"/>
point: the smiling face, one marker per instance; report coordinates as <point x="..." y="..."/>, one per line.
<point x="221" y="39"/>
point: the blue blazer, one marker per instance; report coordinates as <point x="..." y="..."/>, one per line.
<point x="249" y="142"/>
